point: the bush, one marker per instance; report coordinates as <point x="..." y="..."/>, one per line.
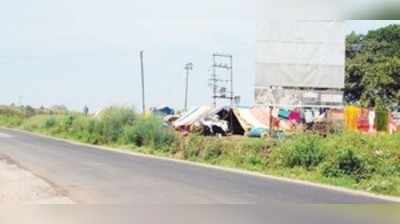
<point x="212" y="150"/>
<point x="113" y="121"/>
<point x="67" y="121"/>
<point x="83" y="128"/>
<point x="11" y="117"/>
<point x="50" y="122"/>
<point x="149" y="131"/>
<point x="361" y="156"/>
<point x="36" y="122"/>
<point x="11" y="112"/>
<point x="346" y="162"/>
<point x="381" y="117"/>
<point x="191" y="146"/>
<point x="11" y="121"/>
<point x="304" y="150"/>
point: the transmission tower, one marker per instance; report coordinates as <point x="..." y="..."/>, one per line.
<point x="222" y="84"/>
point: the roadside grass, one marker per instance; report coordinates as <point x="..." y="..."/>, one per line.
<point x="347" y="159"/>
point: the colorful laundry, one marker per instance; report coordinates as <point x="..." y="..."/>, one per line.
<point x="363" y="121"/>
<point x="295" y="116"/>
<point x="284" y="113"/>
<point x="352" y="114"/>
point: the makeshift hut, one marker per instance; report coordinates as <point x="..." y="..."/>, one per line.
<point x="190" y="118"/>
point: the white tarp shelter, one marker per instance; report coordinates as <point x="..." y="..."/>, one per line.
<point x="193" y="116"/>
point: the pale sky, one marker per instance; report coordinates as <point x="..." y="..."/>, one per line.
<point x="79" y="52"/>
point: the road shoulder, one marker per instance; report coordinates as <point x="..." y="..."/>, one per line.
<point x="19" y="186"/>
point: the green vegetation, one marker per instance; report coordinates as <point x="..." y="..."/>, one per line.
<point x="373" y="67"/>
<point x="347" y="159"/>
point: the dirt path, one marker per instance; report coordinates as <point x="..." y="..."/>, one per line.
<point x="19" y="186"/>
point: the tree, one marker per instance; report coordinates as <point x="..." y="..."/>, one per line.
<point x="373" y="67"/>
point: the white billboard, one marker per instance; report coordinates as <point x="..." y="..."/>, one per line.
<point x="300" y="53"/>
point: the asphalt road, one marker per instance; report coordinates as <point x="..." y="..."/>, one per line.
<point x="88" y="175"/>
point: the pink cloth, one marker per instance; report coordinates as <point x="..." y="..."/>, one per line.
<point x="295" y="116"/>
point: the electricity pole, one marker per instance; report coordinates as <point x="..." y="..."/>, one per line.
<point x="188" y="67"/>
<point x="142" y="76"/>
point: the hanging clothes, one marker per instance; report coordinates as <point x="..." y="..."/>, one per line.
<point x="295" y="116"/>
<point x="363" y="121"/>
<point x="371" y="120"/>
<point x="275" y="112"/>
<point x="308" y="117"/>
<point x="392" y="124"/>
<point x="352" y="114"/>
<point x="284" y="113"/>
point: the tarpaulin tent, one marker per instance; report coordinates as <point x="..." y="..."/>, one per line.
<point x="247" y="120"/>
<point x="262" y="114"/>
<point x="163" y="110"/>
<point x="193" y="116"/>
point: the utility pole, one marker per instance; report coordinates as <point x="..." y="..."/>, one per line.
<point x="142" y="77"/>
<point x="188" y="67"/>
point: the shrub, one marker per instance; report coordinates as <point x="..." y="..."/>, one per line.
<point x="11" y="112"/>
<point x="11" y="117"/>
<point x="303" y="150"/>
<point x="50" y="122"/>
<point x="67" y="122"/>
<point x="382" y="116"/>
<point x="113" y="121"/>
<point x="212" y="150"/>
<point x="149" y="131"/>
<point x="191" y="146"/>
<point x="11" y="121"/>
<point x="352" y="154"/>
<point x="346" y="162"/>
<point x="35" y="123"/>
<point x="382" y="120"/>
